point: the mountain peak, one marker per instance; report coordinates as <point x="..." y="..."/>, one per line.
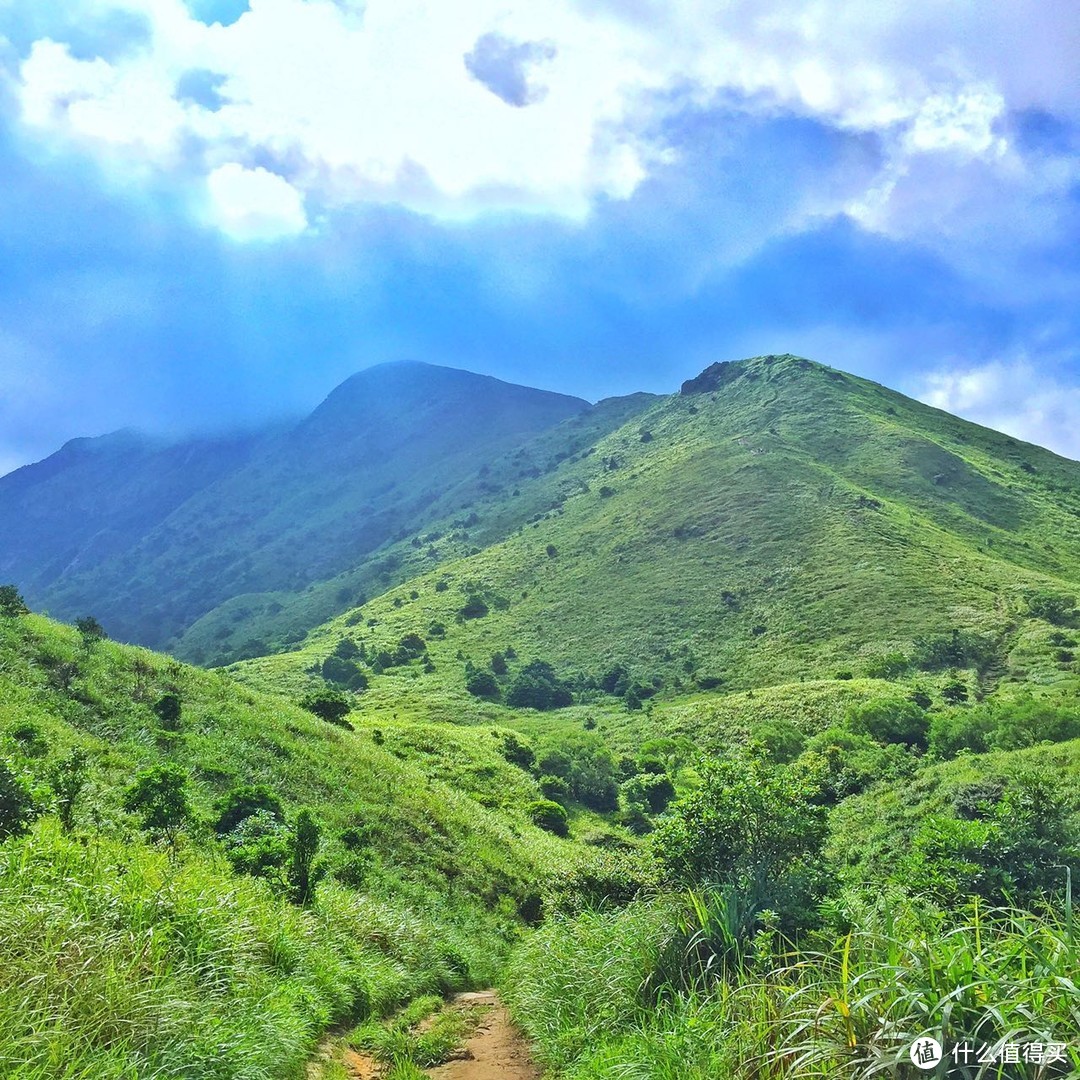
<point x="725" y="372"/>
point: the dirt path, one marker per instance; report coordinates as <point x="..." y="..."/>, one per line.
<point x="495" y="1051"/>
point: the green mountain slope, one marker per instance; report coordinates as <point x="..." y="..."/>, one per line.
<point x="776" y="522"/>
<point x="122" y="958"/>
<point x="151" y="539"/>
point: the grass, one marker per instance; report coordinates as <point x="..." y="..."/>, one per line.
<point x="425" y="1034"/>
<point x="121" y="959"/>
<point x="794" y="530"/>
<point x="847" y="1006"/>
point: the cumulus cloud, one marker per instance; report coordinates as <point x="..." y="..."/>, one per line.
<point x="371" y="103"/>
<point x="1013" y="396"/>
<point x="507" y="67"/>
<point x="254" y="204"/>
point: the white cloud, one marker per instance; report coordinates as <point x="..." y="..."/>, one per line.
<point x="1010" y="396"/>
<point x="379" y="104"/>
<point x="254" y="204"/>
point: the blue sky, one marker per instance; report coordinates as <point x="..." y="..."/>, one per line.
<point x="211" y="212"/>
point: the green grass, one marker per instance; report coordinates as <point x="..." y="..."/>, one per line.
<point x="796" y="526"/>
<point x="849" y="1006"/>
<point x="120" y="959"/>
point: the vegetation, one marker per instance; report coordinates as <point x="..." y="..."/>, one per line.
<point x="748" y="748"/>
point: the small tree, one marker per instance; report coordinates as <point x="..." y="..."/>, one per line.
<point x="11" y="602"/>
<point x="90" y="630"/>
<point x="168" y="709"/>
<point x="481" y="683"/>
<point x="67" y="779"/>
<point x="159" y="796"/>
<point x="17" y="807"/>
<point x="303" y="873"/>
<point x="329" y="705"/>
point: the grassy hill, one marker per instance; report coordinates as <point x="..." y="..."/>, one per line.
<point x="158" y="959"/>
<point x="776" y="524"/>
<point x="151" y="538"/>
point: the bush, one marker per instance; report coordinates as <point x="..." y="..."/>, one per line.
<point x="67" y="778"/>
<point x="891" y="720"/>
<point x="167" y="709"/>
<point x="473" y="608"/>
<point x="12" y="604"/>
<point x="242" y="803"/>
<point x="753" y="828"/>
<point x="329" y="705"/>
<point x="481" y="684"/>
<point x="550" y="816"/>
<point x="344" y="673"/>
<point x="17" y="807"/>
<point x="537" y="687"/>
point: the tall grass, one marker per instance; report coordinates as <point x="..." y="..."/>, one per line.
<point x="117" y="962"/>
<point x="585" y="990"/>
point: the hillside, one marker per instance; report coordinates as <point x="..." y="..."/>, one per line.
<point x="151" y="537"/>
<point x="173" y="964"/>
<point x="776" y="523"/>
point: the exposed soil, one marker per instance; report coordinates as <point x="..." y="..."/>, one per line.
<point x="495" y="1051"/>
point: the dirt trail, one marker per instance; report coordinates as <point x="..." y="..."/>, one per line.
<point x="495" y="1051"/>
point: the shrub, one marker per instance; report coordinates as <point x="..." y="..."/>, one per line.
<point x="550" y="816"/>
<point x="167" y="709"/>
<point x="474" y="607"/>
<point x="517" y="751"/>
<point x="751" y="827"/>
<point x="329" y="705"/>
<point x="12" y="604"/>
<point x="891" y="720"/>
<point x="537" y="687"/>
<point x="67" y="779"/>
<point x="159" y="796"/>
<point x="481" y="684"/>
<point x="347" y="649"/>
<point x="90" y="630"/>
<point x="17" y="806"/>
<point x="242" y="803"/>
<point x="303" y="873"/>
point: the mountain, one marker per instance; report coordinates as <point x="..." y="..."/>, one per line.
<point x="151" y="537"/>
<point x="776" y="523"/>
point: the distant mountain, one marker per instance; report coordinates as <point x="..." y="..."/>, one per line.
<point x="151" y="537"/>
<point x="776" y="521"/>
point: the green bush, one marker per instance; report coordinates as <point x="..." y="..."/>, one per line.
<point x="550" y="816"/>
<point x="17" y="806"/>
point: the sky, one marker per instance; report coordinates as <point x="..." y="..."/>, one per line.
<point x="213" y="211"/>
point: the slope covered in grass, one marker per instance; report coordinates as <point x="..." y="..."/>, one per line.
<point x="151" y="538"/>
<point x="120" y="957"/>
<point x="777" y="523"/>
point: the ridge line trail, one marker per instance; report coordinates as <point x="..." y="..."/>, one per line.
<point x="496" y="1050"/>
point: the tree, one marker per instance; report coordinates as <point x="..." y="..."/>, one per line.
<point x="303" y="874"/>
<point x="11" y="602"/>
<point x="159" y="796"/>
<point x="750" y="827"/>
<point x="67" y="779"/>
<point x="498" y="664"/>
<point x="329" y="705"/>
<point x="17" y="806"/>
<point x="550" y="816"/>
<point x="90" y="630"/>
<point x="167" y="709"/>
